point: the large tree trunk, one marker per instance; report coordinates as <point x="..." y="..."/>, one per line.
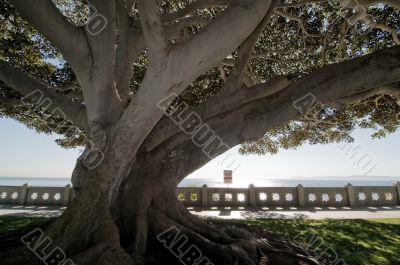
<point x="147" y="206"/>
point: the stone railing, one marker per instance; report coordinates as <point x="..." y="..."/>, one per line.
<point x="27" y="195"/>
<point x="348" y="196"/>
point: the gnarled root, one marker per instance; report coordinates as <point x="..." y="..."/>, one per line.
<point x="218" y="243"/>
<point x="171" y="236"/>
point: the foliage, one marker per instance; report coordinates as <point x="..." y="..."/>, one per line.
<point x="284" y="49"/>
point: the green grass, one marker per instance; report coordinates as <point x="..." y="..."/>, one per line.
<point x="393" y="221"/>
<point x="9" y="223"/>
<point x="357" y="242"/>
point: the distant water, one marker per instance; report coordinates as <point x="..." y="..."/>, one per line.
<point x="292" y="182"/>
<point x="46" y="182"/>
<point x="237" y="182"/>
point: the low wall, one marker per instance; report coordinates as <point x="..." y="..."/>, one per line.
<point x="285" y="197"/>
<point x="348" y="196"/>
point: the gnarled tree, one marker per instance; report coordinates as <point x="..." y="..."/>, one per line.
<point x="156" y="89"/>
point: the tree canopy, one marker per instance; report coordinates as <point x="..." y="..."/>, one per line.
<point x="300" y="37"/>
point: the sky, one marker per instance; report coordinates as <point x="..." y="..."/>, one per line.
<point x="25" y="153"/>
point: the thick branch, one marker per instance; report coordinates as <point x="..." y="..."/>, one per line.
<point x="220" y="37"/>
<point x="248" y="119"/>
<point x="153" y="29"/>
<point x="47" y="19"/>
<point x="40" y="94"/>
<point x="238" y="73"/>
<point x="10" y="101"/>
<point x="130" y="43"/>
<point x="182" y="66"/>
<point x="99" y="87"/>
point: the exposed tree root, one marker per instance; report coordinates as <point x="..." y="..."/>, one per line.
<point x="218" y="243"/>
<point x="227" y="244"/>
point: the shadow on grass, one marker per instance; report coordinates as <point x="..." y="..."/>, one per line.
<point x="355" y="241"/>
<point x="8" y="224"/>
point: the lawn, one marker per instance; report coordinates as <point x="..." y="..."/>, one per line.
<point x="9" y="223"/>
<point x="361" y="242"/>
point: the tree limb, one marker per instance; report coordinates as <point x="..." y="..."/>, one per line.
<point x="40" y="94"/>
<point x="219" y="38"/>
<point x="47" y="19"/>
<point x="301" y="3"/>
<point x="300" y="23"/>
<point x="191" y="8"/>
<point x="175" y="31"/>
<point x="153" y="29"/>
<point x="250" y="118"/>
<point x="10" y="101"/>
<point x="235" y="79"/>
<point x="130" y="43"/>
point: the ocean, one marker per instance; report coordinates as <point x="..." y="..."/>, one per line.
<point x="237" y="182"/>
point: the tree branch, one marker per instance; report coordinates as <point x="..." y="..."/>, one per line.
<point x="152" y="29"/>
<point x="301" y="3"/>
<point x="219" y="38"/>
<point x="47" y="19"/>
<point x="176" y="31"/>
<point x="10" y="101"/>
<point x="235" y="79"/>
<point x="244" y="117"/>
<point x="191" y="8"/>
<point x="40" y="94"/>
<point x="130" y="43"/>
<point x="300" y="23"/>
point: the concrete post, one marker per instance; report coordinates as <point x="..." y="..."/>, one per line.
<point x="204" y="196"/>
<point x="67" y="194"/>
<point x="23" y="194"/>
<point x="351" y="195"/>
<point x="398" y="190"/>
<point x="301" y="196"/>
<point x="252" y="196"/>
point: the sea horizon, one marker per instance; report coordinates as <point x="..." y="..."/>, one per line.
<point x="323" y="181"/>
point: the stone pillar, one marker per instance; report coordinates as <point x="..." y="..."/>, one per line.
<point x="24" y="193"/>
<point x="67" y="194"/>
<point x="301" y="196"/>
<point x="351" y="195"/>
<point x="204" y="196"/>
<point x="398" y="190"/>
<point x="252" y="196"/>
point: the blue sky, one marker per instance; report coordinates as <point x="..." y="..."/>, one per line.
<point x="23" y="152"/>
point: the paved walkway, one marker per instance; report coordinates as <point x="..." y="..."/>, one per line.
<point x="293" y="213"/>
<point x="311" y="213"/>
<point x="31" y="211"/>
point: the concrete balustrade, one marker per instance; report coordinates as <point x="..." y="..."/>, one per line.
<point x="285" y="197"/>
<point x="28" y="195"/>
